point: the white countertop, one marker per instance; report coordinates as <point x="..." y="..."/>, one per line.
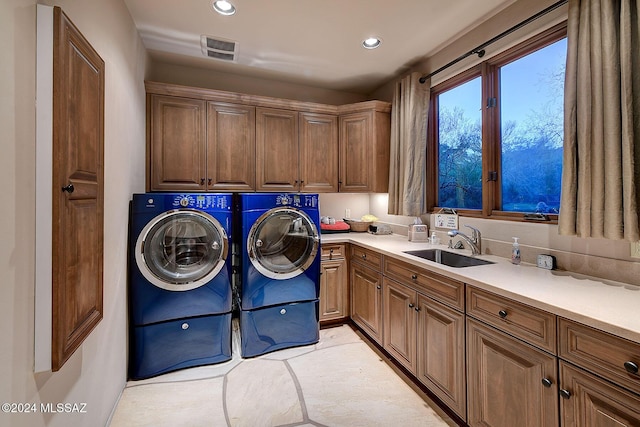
<point x="610" y="306"/>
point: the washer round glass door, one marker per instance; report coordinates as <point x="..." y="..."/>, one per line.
<point x="282" y="243"/>
<point x="182" y="249"/>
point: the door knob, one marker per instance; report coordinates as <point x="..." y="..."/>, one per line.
<point x="631" y="367"/>
<point x="69" y="188"/>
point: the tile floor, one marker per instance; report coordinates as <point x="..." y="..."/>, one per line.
<point x="340" y="381"/>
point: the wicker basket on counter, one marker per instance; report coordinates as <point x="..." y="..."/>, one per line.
<point x="358" y="226"/>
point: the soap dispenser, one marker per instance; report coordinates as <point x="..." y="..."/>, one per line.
<point x="515" y="252"/>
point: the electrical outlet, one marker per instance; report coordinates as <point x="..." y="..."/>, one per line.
<point x="347" y="213"/>
<point x="635" y="249"/>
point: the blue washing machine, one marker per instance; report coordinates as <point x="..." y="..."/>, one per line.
<point x="180" y="295"/>
<point x="279" y="271"/>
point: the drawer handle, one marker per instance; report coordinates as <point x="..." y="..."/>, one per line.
<point x="631" y="367"/>
<point x="566" y="394"/>
<point x="331" y="250"/>
<point x="547" y="382"/>
<point x="414" y="277"/>
<point x="502" y="313"/>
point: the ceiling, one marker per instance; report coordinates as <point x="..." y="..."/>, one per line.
<point x="312" y="42"/>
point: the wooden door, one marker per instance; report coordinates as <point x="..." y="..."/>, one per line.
<point x="366" y="300"/>
<point x="177" y="132"/>
<point x="277" y="157"/>
<point x="78" y="189"/>
<point x="318" y="153"/>
<point x="334" y="292"/>
<point x="231" y="147"/>
<point x="589" y="401"/>
<point x="441" y="353"/>
<point x="400" y="319"/>
<point x="356" y="140"/>
<point x="504" y="386"/>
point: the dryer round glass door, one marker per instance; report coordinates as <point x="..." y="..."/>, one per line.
<point x="181" y="249"/>
<point x="282" y="243"/>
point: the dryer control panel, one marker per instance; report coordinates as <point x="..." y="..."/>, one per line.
<point x="297" y="200"/>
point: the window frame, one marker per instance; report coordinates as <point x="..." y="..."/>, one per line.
<point x="488" y="70"/>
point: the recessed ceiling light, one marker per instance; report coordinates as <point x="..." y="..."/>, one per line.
<point x="371" y="42"/>
<point x="223" y="7"/>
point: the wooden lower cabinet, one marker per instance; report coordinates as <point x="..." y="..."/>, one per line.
<point x="589" y="401"/>
<point x="366" y="300"/>
<point x="441" y="353"/>
<point x="400" y="320"/>
<point x="427" y="338"/>
<point x="506" y="379"/>
<point x="334" y="290"/>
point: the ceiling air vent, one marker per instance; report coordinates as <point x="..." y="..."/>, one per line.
<point x="225" y="50"/>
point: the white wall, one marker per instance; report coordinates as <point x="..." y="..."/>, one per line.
<point x="96" y="373"/>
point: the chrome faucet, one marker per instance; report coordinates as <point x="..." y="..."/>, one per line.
<point x="475" y="241"/>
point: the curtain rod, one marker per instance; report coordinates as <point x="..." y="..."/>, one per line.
<point x="480" y="49"/>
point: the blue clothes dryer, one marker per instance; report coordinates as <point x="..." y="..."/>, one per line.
<point x="180" y="294"/>
<point x="279" y="245"/>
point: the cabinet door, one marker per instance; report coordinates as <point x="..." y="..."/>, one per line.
<point x="366" y="300"/>
<point x="505" y="387"/>
<point x="318" y="153"/>
<point x="441" y="353"/>
<point x="356" y="135"/>
<point x="400" y="318"/>
<point x="231" y="147"/>
<point x="177" y="132"/>
<point x="334" y="295"/>
<point x="589" y="401"/>
<point x="277" y="160"/>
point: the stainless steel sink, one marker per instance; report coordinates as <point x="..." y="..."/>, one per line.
<point x="448" y="258"/>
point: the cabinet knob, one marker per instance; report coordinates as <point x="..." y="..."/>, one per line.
<point x="547" y="382"/>
<point x="201" y="181"/>
<point x="414" y="277"/>
<point x="502" y="313"/>
<point x="566" y="394"/>
<point x="209" y="181"/>
<point x="631" y="367"/>
<point x="411" y="305"/>
<point x="364" y="256"/>
<point x="378" y="287"/>
<point x="68" y="188"/>
<point x="417" y="308"/>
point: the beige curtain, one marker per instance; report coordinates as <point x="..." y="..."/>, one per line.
<point x="407" y="168"/>
<point x="601" y="165"/>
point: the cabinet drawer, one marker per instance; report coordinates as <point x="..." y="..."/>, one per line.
<point x="530" y="324"/>
<point x="366" y="257"/>
<point x="328" y="252"/>
<point x="441" y="288"/>
<point x="614" y="358"/>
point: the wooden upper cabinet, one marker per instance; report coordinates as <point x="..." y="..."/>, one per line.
<point x="209" y="140"/>
<point x="177" y="132"/>
<point x="231" y="147"/>
<point x="364" y="150"/>
<point x="318" y="153"/>
<point x="276" y="150"/>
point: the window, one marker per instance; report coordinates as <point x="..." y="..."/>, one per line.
<point x="497" y="132"/>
